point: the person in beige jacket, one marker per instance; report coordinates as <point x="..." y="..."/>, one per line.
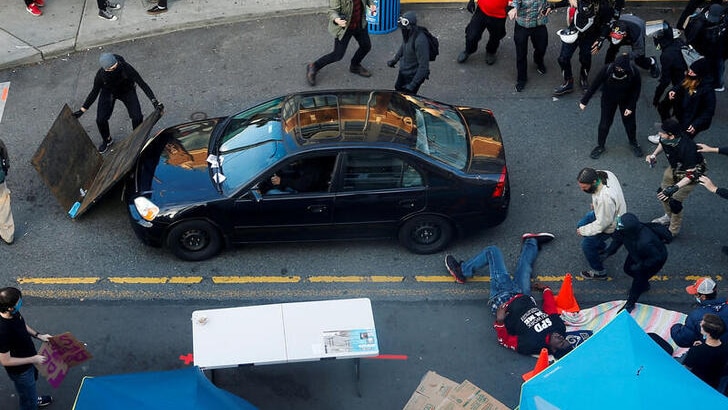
<point x="7" y="226"/>
<point x="598" y="224"/>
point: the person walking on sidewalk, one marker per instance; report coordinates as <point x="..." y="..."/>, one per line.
<point x="159" y="8"/>
<point x="105" y="8"/>
<point x="607" y="203"/>
<point x="490" y="15"/>
<point x="33" y="6"/>
<point x="347" y="19"/>
<point x="414" y="54"/>
<point x="18" y="353"/>
<point x="7" y="225"/>
<point x="646" y="253"/>
<point x="685" y="166"/>
<point x="531" y="19"/>
<point x="621" y="84"/>
<point x="116" y="80"/>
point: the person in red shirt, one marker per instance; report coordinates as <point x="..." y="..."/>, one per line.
<point x="491" y="15"/>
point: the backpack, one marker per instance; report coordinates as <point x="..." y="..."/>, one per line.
<point x="433" y="42"/>
<point x="660" y="230"/>
<point x="690" y="55"/>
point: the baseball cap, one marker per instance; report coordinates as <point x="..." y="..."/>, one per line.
<point x="703" y="286"/>
<point x="714" y="13"/>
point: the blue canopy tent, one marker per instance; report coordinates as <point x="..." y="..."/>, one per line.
<point x="620" y="367"/>
<point x="186" y="388"/>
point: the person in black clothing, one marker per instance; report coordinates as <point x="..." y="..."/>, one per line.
<point x="646" y="253"/>
<point x="689" y="10"/>
<point x="414" y="53"/>
<point x="591" y="19"/>
<point x="686" y="165"/>
<point x="692" y="102"/>
<point x="116" y="80"/>
<point x="704" y="33"/>
<point x="671" y="60"/>
<point x="620" y="83"/>
<point x="708" y="359"/>
<point x="708" y="183"/>
<point x="17" y="351"/>
<point x="629" y="30"/>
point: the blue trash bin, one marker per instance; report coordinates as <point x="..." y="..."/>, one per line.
<point x="385" y="19"/>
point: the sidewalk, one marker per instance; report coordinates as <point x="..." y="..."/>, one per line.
<point x="67" y="26"/>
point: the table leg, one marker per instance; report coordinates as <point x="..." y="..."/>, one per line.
<point x="357" y="371"/>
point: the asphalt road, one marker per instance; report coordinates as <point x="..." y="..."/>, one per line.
<point x="132" y="303"/>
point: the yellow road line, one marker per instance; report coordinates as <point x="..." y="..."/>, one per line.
<point x="255" y="279"/>
<point x="355" y="279"/>
<point x="58" y="281"/>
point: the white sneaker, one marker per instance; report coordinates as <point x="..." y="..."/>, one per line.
<point x="720" y="90"/>
<point x="663" y="220"/>
<point x="655" y="139"/>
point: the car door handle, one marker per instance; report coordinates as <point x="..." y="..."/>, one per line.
<point x="407" y="203"/>
<point x="317" y="209"/>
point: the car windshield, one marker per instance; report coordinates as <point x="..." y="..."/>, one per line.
<point x="250" y="142"/>
<point x="441" y="133"/>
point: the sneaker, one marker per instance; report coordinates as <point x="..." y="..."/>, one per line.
<point x="106" y="15"/>
<point x="453" y="266"/>
<point x="40" y="3"/>
<point x="112" y="6"/>
<point x="663" y="220"/>
<point x="541" y="237"/>
<point x="520" y="86"/>
<point x="655" y="138"/>
<point x="637" y="150"/>
<point x="565" y="88"/>
<point x="34" y="10"/>
<point x="359" y="70"/>
<point x="655" y="70"/>
<point x="584" y="80"/>
<point x="541" y="69"/>
<point x="593" y="274"/>
<point x="9" y="241"/>
<point x="105" y="145"/>
<point x="311" y="74"/>
<point x="719" y="89"/>
<point x="490" y="58"/>
<point x="597" y="152"/>
<point x="157" y="10"/>
<point x="44" y="400"/>
<point x="463" y="57"/>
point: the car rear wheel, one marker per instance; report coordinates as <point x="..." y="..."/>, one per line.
<point x="194" y="240"/>
<point x="426" y="234"/>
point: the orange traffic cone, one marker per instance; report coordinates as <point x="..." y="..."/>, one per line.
<point x="541" y="363"/>
<point x="565" y="300"/>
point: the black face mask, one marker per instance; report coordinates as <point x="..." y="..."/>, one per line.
<point x="619" y="74"/>
<point x="592" y="189"/>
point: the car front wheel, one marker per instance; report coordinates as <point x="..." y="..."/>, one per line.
<point x="426" y="234"/>
<point x="194" y="240"/>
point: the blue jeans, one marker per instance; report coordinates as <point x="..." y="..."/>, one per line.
<point x="502" y="286"/>
<point x="593" y="245"/>
<point x="25" y="386"/>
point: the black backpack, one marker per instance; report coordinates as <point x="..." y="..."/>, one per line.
<point x="433" y="42"/>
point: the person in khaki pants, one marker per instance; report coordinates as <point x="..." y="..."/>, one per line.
<point x="7" y="226"/>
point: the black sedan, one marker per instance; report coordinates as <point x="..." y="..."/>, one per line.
<point x="325" y="165"/>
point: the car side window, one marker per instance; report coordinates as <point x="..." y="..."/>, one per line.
<point x="375" y="171"/>
<point x="300" y="176"/>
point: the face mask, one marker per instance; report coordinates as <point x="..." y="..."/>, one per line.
<point x="615" y="41"/>
<point x="592" y="189"/>
<point x="16" y="308"/>
<point x="697" y="299"/>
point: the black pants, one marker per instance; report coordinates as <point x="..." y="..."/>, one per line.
<point x="539" y="39"/>
<point x="583" y="43"/>
<point x="640" y="278"/>
<point x="478" y="24"/>
<point x="106" y="108"/>
<point x="605" y="122"/>
<point x="361" y="35"/>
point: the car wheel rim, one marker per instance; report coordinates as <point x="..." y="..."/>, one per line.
<point x="426" y="234"/>
<point x="194" y="240"/>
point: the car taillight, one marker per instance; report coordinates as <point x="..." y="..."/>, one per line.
<point x="500" y="187"/>
<point x="146" y="208"/>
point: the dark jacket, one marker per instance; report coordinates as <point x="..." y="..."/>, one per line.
<point x="685" y="335"/>
<point x="684" y="155"/>
<point x="118" y="82"/>
<point x="647" y="252"/>
<point x="626" y="91"/>
<point x="696" y="109"/>
<point x="414" y="57"/>
<point x="672" y="63"/>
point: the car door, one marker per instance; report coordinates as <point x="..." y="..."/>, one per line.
<point x="375" y="190"/>
<point x="301" y="211"/>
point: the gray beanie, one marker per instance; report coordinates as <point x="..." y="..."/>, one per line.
<point x="107" y="60"/>
<point x="411" y="16"/>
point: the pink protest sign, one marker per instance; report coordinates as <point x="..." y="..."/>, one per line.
<point x="63" y="352"/>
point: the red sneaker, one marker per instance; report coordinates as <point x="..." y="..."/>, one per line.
<point x="34" y="10"/>
<point x="40" y="3"/>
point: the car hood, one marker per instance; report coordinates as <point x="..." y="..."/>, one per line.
<point x="173" y="168"/>
<point x="486" y="145"/>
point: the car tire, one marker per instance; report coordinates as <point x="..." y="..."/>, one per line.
<point x="426" y="234"/>
<point x="194" y="240"/>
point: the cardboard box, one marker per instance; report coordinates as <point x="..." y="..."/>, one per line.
<point x="432" y="391"/>
<point x="469" y="396"/>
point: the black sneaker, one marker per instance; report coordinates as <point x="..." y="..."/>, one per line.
<point x="105" y="145"/>
<point x="655" y="71"/>
<point x="490" y="58"/>
<point x="565" y="88"/>
<point x="597" y="152"/>
<point x="453" y="266"/>
<point x="592" y="274"/>
<point x="44" y="400"/>
<point x="157" y="10"/>
<point x="112" y="6"/>
<point x="463" y="57"/>
<point x="541" y="69"/>
<point x="106" y="15"/>
<point x="637" y="150"/>
<point x="541" y="237"/>
<point x="520" y="86"/>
